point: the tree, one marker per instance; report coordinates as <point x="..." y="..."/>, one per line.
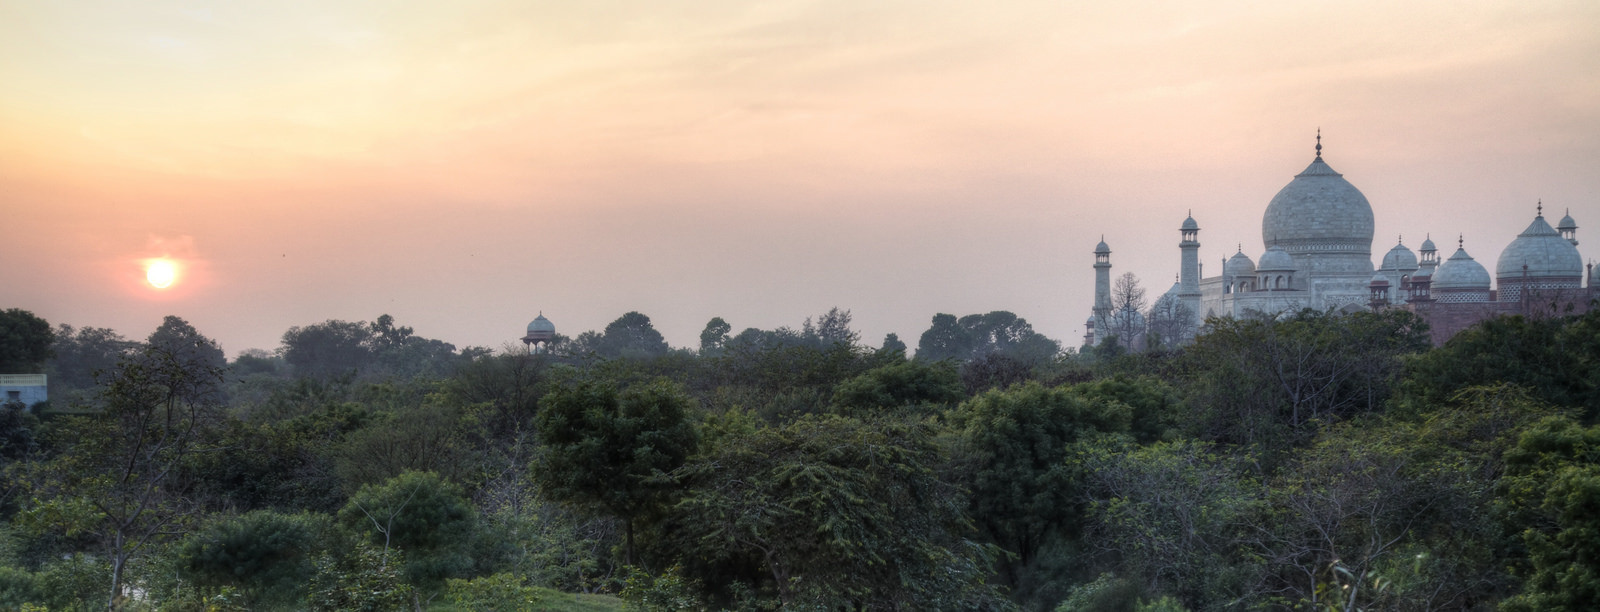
<point x="714" y="336"/>
<point x="1553" y="475"/>
<point x="1173" y="516"/>
<point x="266" y="554"/>
<point x="609" y="450"/>
<point x="328" y="349"/>
<point x="892" y="344"/>
<point x="1268" y="382"/>
<point x="1012" y="452"/>
<point x="945" y="339"/>
<point x="833" y="327"/>
<point x="631" y="335"/>
<point x="1557" y="359"/>
<point x="422" y="515"/>
<point x="83" y="353"/>
<point x="122" y="477"/>
<point x="184" y="343"/>
<point x="906" y="384"/>
<point x="832" y="512"/>
<point x="25" y="341"/>
<point x="975" y="336"/>
<point x="1171" y="323"/>
<point x="1127" y="311"/>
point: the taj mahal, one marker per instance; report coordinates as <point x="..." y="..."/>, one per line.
<point x="1317" y="234"/>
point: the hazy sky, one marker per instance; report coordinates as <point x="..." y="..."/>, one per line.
<point x="464" y="165"/>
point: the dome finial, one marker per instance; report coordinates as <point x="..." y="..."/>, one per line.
<point x="1400" y="239"/>
<point x="1461" y="241"/>
<point x="1319" y="143"/>
<point x="1539" y="210"/>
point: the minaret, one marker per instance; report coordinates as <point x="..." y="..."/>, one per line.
<point x="1189" y="269"/>
<point x="1102" y="288"/>
<point x="1430" y="258"/>
<point x="1569" y="228"/>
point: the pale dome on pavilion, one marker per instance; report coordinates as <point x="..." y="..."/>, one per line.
<point x="1461" y="272"/>
<point x="541" y="324"/>
<point x="1545" y="253"/>
<point x="1239" y="265"/>
<point x="1401" y="258"/>
<point x="1275" y="260"/>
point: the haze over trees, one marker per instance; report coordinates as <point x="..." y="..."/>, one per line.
<point x="1308" y="460"/>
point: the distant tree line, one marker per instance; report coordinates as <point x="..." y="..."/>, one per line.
<point x="1310" y="460"/>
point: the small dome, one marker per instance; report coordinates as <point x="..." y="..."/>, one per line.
<point x="1461" y="272"/>
<point x="1239" y="265"/>
<point x="1277" y="260"/>
<point x="541" y="324"/>
<point x="1379" y="278"/>
<point x="1545" y="253"/>
<point x="1567" y="223"/>
<point x="1427" y="245"/>
<point x="1102" y="248"/>
<point x="1399" y="258"/>
<point x="1189" y="224"/>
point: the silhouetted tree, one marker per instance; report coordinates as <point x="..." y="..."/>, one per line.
<point x="25" y="341"/>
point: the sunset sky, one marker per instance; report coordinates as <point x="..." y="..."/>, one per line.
<point x="465" y="165"/>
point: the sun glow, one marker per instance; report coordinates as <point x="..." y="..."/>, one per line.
<point x="161" y="273"/>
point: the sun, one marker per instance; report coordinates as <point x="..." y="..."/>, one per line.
<point x="161" y="273"/>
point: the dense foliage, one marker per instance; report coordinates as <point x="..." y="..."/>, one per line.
<point x="1309" y="461"/>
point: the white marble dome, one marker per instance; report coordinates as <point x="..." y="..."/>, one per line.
<point x="1461" y="272"/>
<point x="1400" y="258"/>
<point x="1319" y="212"/>
<point x="1239" y="266"/>
<point x="1542" y="249"/>
<point x="1276" y="260"/>
<point x="541" y="325"/>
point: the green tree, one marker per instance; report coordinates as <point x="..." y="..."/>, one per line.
<point x="610" y="450"/>
<point x="832" y="327"/>
<point x="1557" y="359"/>
<point x="1267" y="383"/>
<point x="945" y="339"/>
<point x="1174" y="516"/>
<point x="631" y="335"/>
<point x="892" y="345"/>
<point x="1012" y="453"/>
<point x="906" y="384"/>
<point x="974" y="336"/>
<point x="1553" y="487"/>
<point x="184" y="343"/>
<point x="328" y="349"/>
<point x="422" y="515"/>
<point x="835" y="512"/>
<point x="25" y="341"/>
<point x="714" y="336"/>
<point x="122" y="477"/>
<point x="83" y="353"/>
<point x="363" y="579"/>
<point x="266" y="554"/>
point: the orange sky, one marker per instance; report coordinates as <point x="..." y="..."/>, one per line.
<point x="466" y="165"/>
